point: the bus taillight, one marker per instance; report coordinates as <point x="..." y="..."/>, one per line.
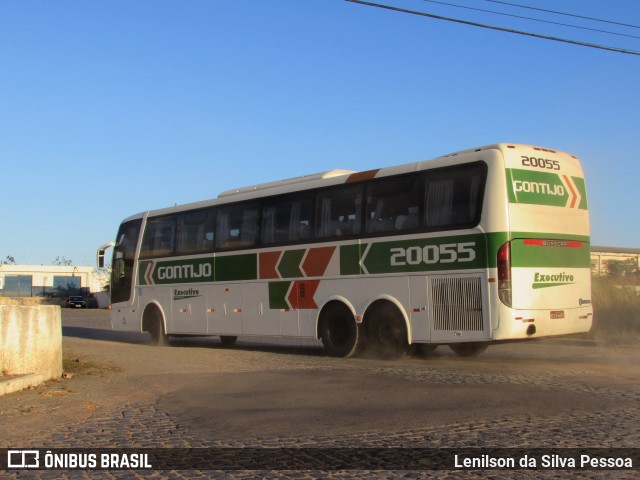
<point x="504" y="274"/>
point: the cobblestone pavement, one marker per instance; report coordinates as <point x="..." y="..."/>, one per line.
<point x="140" y="421"/>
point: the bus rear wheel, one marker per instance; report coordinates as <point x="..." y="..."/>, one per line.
<point x="423" y="350"/>
<point x="386" y="332"/>
<point x="468" y="349"/>
<point x="228" y="340"/>
<point x="338" y="330"/>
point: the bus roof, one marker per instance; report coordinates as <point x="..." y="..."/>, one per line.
<point x="288" y="181"/>
<point x="336" y="177"/>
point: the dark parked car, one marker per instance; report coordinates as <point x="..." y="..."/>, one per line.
<point x="77" y="302"/>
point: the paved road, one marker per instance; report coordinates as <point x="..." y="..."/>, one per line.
<point x="261" y="393"/>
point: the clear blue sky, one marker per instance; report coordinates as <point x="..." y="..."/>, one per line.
<point x="111" y="108"/>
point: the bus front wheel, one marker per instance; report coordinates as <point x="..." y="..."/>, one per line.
<point x="338" y="330"/>
<point x="154" y="324"/>
<point x="468" y="349"/>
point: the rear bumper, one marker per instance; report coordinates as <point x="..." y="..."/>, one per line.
<point x="520" y="324"/>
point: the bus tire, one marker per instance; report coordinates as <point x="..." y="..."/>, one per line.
<point x="424" y="349"/>
<point x="338" y="330"/>
<point x="470" y="349"/>
<point x="228" y="340"/>
<point x="386" y="331"/>
<point x="153" y="323"/>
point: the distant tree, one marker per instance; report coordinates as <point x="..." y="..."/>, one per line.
<point x="10" y="260"/>
<point x="62" y="261"/>
<point x="622" y="267"/>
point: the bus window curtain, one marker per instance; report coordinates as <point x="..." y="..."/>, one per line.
<point x="249" y="228"/>
<point x="294" y="222"/>
<point x="222" y="231"/>
<point x="325" y="224"/>
<point x="439" y="202"/>
<point x="269" y="225"/>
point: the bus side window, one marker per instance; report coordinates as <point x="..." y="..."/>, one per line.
<point x="287" y="219"/>
<point x="159" y="237"/>
<point x="269" y="224"/>
<point x="409" y="221"/>
<point x="249" y="229"/>
<point x="195" y="232"/>
<point x="237" y="226"/>
<point x="453" y="198"/>
<point x="301" y="219"/>
<point x="339" y="211"/>
<point x="439" y="199"/>
<point x="392" y="204"/>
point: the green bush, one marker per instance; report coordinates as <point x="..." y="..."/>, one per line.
<point x="616" y="306"/>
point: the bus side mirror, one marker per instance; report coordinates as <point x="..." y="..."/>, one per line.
<point x="100" y="255"/>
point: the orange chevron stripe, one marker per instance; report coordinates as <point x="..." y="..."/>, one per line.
<point x="317" y="261"/>
<point x="302" y="293"/>
<point x="574" y="195"/>
<point x="360" y="176"/>
<point x="268" y="262"/>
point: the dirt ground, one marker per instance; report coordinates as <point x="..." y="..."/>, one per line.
<point x="121" y="391"/>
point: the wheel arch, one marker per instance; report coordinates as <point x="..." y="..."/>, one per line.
<point x="388" y="299"/>
<point x="328" y="301"/>
<point x="147" y="315"/>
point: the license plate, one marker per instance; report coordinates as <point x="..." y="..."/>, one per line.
<point x="557" y="314"/>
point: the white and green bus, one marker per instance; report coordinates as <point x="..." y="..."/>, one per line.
<point x="477" y="247"/>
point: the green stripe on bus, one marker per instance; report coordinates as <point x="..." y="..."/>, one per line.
<point x="459" y="252"/>
<point x="426" y="254"/>
<point x="142" y="270"/>
<point x="278" y="295"/>
<point x="545" y="188"/>
<point x="236" y="267"/>
<point x="199" y="270"/>
<point x="580" y="184"/>
<point x="497" y="239"/>
<point x="350" y="256"/>
<point x="289" y="266"/>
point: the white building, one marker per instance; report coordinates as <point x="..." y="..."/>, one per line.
<point x="50" y="280"/>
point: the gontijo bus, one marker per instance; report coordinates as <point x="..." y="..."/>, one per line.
<point x="477" y="247"/>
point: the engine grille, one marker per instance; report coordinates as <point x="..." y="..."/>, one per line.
<point x="457" y="303"/>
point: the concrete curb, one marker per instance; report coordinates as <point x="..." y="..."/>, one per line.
<point x="15" y="383"/>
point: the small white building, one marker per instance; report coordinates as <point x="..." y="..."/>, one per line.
<point x="50" y="280"/>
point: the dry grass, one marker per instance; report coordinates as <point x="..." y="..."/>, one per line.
<point x="616" y="306"/>
<point x="75" y="364"/>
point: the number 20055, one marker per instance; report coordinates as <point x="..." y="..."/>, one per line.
<point x="431" y="254"/>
